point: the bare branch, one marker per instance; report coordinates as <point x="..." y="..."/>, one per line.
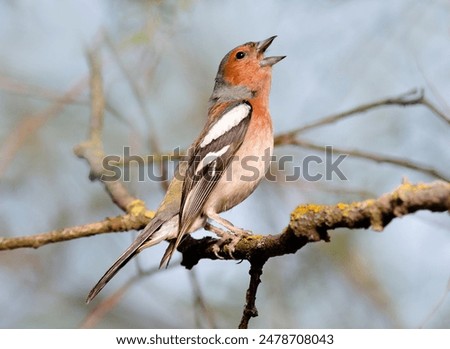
<point x="92" y="149"/>
<point x="127" y="222"/>
<point x="137" y="91"/>
<point x="16" y="87"/>
<point x="256" y="270"/>
<point x="438" y="305"/>
<point x="308" y="223"/>
<point x="435" y="110"/>
<point x="29" y="125"/>
<point x="413" y="97"/>
<point x="107" y="304"/>
<point x="369" y="156"/>
<point x="99" y="312"/>
<point x="311" y="223"/>
<point x="97" y="99"/>
<point x="200" y="302"/>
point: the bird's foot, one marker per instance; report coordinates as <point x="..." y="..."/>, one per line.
<point x="227" y="238"/>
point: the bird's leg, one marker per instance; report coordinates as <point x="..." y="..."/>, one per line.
<point x="234" y="234"/>
<point x="223" y="238"/>
<point x="227" y="224"/>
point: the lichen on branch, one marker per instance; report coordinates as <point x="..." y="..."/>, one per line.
<point x="312" y="222"/>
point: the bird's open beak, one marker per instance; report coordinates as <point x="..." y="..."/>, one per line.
<point x="261" y="47"/>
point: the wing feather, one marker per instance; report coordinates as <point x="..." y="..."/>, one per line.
<point x="208" y="160"/>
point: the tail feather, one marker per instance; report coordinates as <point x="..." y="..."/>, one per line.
<point x="145" y="237"/>
<point x="173" y="245"/>
<point x="168" y="254"/>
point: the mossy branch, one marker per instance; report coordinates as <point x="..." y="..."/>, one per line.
<point x="311" y="223"/>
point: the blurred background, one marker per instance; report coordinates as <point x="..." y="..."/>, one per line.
<point x="159" y="60"/>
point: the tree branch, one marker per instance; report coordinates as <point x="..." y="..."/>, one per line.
<point x="140" y="98"/>
<point x="27" y="127"/>
<point x="256" y="270"/>
<point x="311" y="223"/>
<point x="108" y="303"/>
<point x="369" y="156"/>
<point x="308" y="223"/>
<point x="132" y="221"/>
<point x="92" y="149"/>
<point x="413" y="97"/>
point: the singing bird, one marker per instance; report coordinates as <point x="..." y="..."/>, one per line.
<point x="225" y="163"/>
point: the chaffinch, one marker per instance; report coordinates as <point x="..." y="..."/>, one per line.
<point x="224" y="165"/>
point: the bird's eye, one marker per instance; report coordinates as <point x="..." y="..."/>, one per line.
<point x="240" y="55"/>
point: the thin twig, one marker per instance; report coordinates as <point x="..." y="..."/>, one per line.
<point x="92" y="149"/>
<point x="31" y="124"/>
<point x="435" y="92"/>
<point x="12" y="86"/>
<point x="370" y="156"/>
<point x="250" y="311"/>
<point x="413" y="97"/>
<point x="199" y="301"/>
<point x="99" y="312"/>
<point x="107" y="304"/>
<point x="154" y="142"/>
<point x="97" y="99"/>
<point x="438" y="305"/>
<point x="435" y="110"/>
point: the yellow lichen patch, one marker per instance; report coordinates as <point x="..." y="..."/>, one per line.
<point x="402" y="190"/>
<point x="409" y="187"/>
<point x="136" y="208"/>
<point x="368" y="203"/>
<point x="342" y="206"/>
<point x="149" y="214"/>
<point x="305" y="209"/>
<point x="254" y="237"/>
<point x="419" y="186"/>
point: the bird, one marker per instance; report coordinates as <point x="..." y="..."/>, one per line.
<point x="225" y="163"/>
